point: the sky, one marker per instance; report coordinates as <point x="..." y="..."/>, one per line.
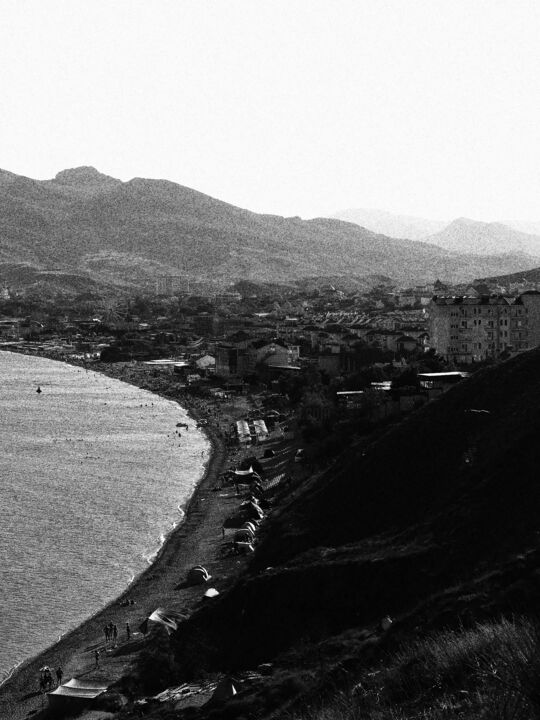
<point x="292" y="107"/>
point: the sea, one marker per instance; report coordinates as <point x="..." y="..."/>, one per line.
<point x="93" y="476"/>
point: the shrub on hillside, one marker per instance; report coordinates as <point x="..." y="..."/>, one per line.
<point x="489" y="672"/>
<point x="157" y="667"/>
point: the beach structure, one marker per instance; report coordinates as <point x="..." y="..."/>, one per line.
<point x="225" y="690"/>
<point x="74" y="696"/>
<point x="251" y="510"/>
<point x="243" y="432"/>
<point x="251" y="431"/>
<point x="243" y="548"/>
<point x="244" y="536"/>
<point x="198" y="575"/>
<point x="169" y="620"/>
<point x="211" y="593"/>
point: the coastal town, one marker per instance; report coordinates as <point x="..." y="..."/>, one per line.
<point x="320" y="348"/>
<point x="269" y="360"/>
<point x="282" y="381"/>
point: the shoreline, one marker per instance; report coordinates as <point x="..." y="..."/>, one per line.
<point x="23" y="678"/>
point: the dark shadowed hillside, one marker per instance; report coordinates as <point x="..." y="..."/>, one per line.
<point x="127" y="233"/>
<point x="436" y="522"/>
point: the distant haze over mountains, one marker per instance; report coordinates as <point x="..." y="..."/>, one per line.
<point x="387" y="223"/>
<point x="462" y="235"/>
<point x="85" y="231"/>
<point x="481" y="238"/>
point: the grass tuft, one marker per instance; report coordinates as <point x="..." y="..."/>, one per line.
<point x="488" y="672"/>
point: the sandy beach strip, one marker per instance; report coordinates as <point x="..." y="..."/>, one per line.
<point x="197" y="540"/>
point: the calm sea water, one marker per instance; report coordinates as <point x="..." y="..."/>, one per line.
<point x="92" y="476"/>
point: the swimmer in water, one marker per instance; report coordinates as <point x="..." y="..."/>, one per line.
<point x="38" y="389"/>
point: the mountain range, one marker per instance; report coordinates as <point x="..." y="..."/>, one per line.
<point x="462" y="235"/>
<point x="387" y="223"/>
<point x="84" y="230"/>
<point x="482" y="238"/>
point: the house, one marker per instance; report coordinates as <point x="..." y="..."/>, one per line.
<point x="246" y="355"/>
<point x="437" y="383"/>
<point x="350" y="399"/>
<point x="406" y="344"/>
<point x="206" y="364"/>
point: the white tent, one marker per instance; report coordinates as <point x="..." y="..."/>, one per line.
<point x="242" y="430"/>
<point x="169" y="620"/>
<point x="260" y="429"/>
<point x="75" y="695"/>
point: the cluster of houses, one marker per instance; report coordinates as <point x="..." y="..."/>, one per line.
<point x="236" y="336"/>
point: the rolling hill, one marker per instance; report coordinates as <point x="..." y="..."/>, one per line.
<point x="125" y="234"/>
<point x="525" y="277"/>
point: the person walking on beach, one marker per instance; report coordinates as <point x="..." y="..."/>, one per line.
<point x="128" y="631"/>
<point x="114" y="633"/>
<point x="59" y="675"/>
<point x="107" y="632"/>
<point x="96" y="655"/>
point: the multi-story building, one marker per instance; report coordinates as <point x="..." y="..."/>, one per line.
<point x="468" y="329"/>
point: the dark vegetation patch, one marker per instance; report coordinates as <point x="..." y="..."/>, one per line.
<point x="435" y="522"/>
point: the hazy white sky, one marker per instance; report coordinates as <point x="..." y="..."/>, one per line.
<point x="296" y="107"/>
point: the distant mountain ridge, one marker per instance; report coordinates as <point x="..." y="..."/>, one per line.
<point x="481" y="238"/>
<point x="87" y="225"/>
<point x="460" y="235"/>
<point x="387" y="223"/>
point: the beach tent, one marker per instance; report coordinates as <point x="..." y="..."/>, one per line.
<point x="198" y="575"/>
<point x="169" y="620"/>
<point x="225" y="690"/>
<point x="251" y="507"/>
<point x="243" y="548"/>
<point x="243" y="473"/>
<point x="241" y="517"/>
<point x="244" y="536"/>
<point x="242" y="430"/>
<point x="260" y="430"/>
<point x="74" y="696"/>
<point x="252" y="462"/>
<point x="253" y="512"/>
<point x="211" y="593"/>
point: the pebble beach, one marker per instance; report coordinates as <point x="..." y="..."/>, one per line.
<point x="196" y="539"/>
